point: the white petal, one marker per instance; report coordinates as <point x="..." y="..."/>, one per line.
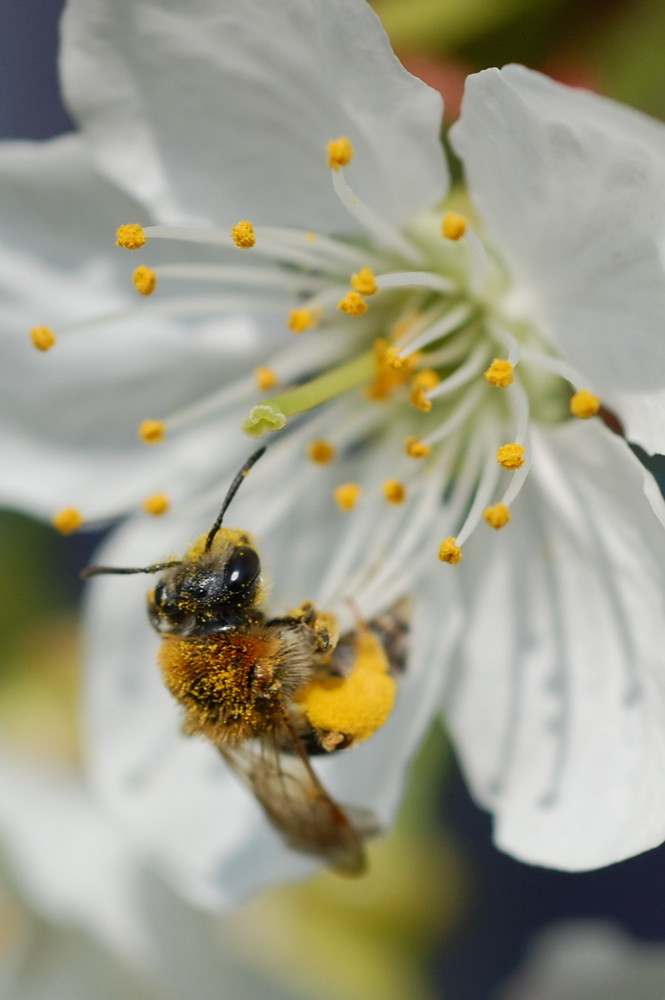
<point x="221" y="110"/>
<point x="570" y="186"/>
<point x="557" y="702"/>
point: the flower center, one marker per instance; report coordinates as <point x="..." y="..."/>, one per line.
<point x="418" y="327"/>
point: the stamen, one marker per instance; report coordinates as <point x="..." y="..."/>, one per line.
<point x="353" y="304"/>
<point x="394" y="491"/>
<point x="321" y="452"/>
<point x="157" y="504"/>
<point x="450" y="552"/>
<point x="242" y="235"/>
<point x="152" y="431"/>
<point x="500" y="373"/>
<point x="266" y="378"/>
<point x="364" y="282"/>
<point x="301" y="320"/>
<point x="469" y="370"/>
<point x="42" y="337"/>
<point x="67" y="521"/>
<point x="583" y="404"/>
<point x="420" y="399"/>
<point x="145" y="280"/>
<point x="130" y="236"/>
<point x="453" y="226"/>
<point x="449" y="323"/>
<point x="417" y="448"/>
<point x="497" y="516"/>
<point x="415" y="279"/>
<point x="340" y="152"/>
<point x="347" y="495"/>
<point x="511" y="456"/>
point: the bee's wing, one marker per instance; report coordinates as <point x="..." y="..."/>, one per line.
<point x="294" y="799"/>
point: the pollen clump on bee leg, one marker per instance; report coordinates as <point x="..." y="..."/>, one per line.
<point x="67" y="521"/>
<point x="130" y="236"/>
<point x="358" y="704"/>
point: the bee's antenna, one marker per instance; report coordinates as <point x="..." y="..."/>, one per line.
<point x="232" y="490"/>
<point x="155" y="568"/>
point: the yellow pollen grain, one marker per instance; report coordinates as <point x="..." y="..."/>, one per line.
<point x="416" y="448"/>
<point x="364" y="281"/>
<point x="394" y="491"/>
<point x="453" y="226"/>
<point x="387" y="377"/>
<point x="584" y="404"/>
<point x="420" y="399"/>
<point x="347" y="495"/>
<point x="497" y="516"/>
<point x="450" y="552"/>
<point x="42" y="337"/>
<point x="340" y="152"/>
<point x="353" y="304"/>
<point x="321" y="452"/>
<point x="67" y="521"/>
<point x="157" y="504"/>
<point x="265" y="378"/>
<point x="301" y="320"/>
<point x="152" y="431"/>
<point x="500" y="373"/>
<point x="510" y="456"/>
<point x="145" y="280"/>
<point x="358" y="704"/>
<point x="130" y="236"/>
<point x="425" y="379"/>
<point x="243" y="236"/>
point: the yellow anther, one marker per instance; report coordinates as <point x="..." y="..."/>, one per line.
<point x="497" y="516"/>
<point x="67" y="521"/>
<point x="420" y="399"/>
<point x="394" y="491"/>
<point x="356" y="705"/>
<point x="364" y="281"/>
<point x="321" y="452"/>
<point x="353" y="304"/>
<point x="417" y="448"/>
<point x="453" y="226"/>
<point x="347" y="496"/>
<point x="425" y="379"/>
<point x="157" y="504"/>
<point x="450" y="552"/>
<point x="43" y="338"/>
<point x="500" y="373"/>
<point x="145" y="280"/>
<point x="395" y="359"/>
<point x="584" y="404"/>
<point x="340" y="152"/>
<point x="152" y="431"/>
<point x="510" y="456"/>
<point x="301" y="320"/>
<point x="265" y="377"/>
<point x="388" y="377"/>
<point x="243" y="236"/>
<point x="130" y="236"/>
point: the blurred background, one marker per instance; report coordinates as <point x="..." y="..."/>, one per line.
<point x="442" y="914"/>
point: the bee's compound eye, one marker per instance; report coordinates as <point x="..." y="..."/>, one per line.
<point x="160" y="595"/>
<point x="241" y="569"/>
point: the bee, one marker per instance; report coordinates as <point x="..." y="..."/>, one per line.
<point x="270" y="693"/>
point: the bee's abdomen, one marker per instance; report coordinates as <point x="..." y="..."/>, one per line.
<point x="226" y="682"/>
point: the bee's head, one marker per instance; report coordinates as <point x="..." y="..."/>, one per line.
<point x="210" y="590"/>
